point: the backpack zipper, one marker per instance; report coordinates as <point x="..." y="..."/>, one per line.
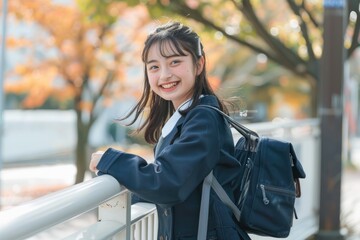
<point x="265" y="199"/>
<point x="263" y="188"/>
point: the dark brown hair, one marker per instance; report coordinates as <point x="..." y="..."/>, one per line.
<point x="183" y="41"/>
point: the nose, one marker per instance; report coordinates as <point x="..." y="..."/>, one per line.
<point x="165" y="74"/>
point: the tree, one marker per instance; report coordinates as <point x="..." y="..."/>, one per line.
<point x="289" y="33"/>
<point x="84" y="59"/>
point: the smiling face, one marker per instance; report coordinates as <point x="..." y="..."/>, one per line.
<point x="172" y="75"/>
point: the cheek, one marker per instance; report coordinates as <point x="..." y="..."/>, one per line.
<point x="152" y="81"/>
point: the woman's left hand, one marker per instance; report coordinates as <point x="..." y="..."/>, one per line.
<point x="95" y="159"/>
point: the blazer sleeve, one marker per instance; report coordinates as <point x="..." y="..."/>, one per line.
<point x="178" y="169"/>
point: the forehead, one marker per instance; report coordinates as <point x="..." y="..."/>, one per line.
<point x="166" y="48"/>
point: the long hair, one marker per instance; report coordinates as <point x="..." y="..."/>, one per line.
<point x="182" y="41"/>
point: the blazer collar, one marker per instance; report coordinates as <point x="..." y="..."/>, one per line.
<point x="205" y="100"/>
<point x="176" y="118"/>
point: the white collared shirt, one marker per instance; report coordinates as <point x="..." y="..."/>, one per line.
<point x="170" y="124"/>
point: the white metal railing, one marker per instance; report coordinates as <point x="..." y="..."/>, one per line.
<point x="115" y="215"/>
<point x="117" y="220"/>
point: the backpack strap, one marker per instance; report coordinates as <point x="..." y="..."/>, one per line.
<point x="204" y="207"/>
<point x="211" y="182"/>
<point x="247" y="133"/>
<point x="224" y="197"/>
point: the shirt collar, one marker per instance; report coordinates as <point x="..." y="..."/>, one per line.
<point x="170" y="124"/>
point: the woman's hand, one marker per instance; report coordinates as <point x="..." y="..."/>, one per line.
<point x="95" y="158"/>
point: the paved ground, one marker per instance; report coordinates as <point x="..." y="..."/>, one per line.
<point x="23" y="184"/>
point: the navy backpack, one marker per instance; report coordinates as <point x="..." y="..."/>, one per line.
<point x="268" y="184"/>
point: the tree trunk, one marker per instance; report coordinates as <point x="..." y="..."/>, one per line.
<point x="81" y="158"/>
<point x="81" y="148"/>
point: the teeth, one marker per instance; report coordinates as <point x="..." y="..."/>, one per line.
<point x="169" y="85"/>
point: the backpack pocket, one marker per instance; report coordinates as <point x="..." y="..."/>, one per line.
<point x="272" y="211"/>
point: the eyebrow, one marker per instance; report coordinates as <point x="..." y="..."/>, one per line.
<point x="151" y="61"/>
<point x="170" y="56"/>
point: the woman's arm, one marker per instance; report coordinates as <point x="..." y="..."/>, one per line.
<point x="178" y="169"/>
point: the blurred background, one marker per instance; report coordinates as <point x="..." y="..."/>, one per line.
<point x="69" y="68"/>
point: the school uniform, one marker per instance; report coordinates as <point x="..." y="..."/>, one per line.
<point x="190" y="148"/>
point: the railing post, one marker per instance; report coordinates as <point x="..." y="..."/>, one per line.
<point x="118" y="209"/>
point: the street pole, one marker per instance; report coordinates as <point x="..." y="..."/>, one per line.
<point x="2" y="75"/>
<point x="331" y="114"/>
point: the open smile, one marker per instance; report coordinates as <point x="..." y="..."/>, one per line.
<point x="169" y="85"/>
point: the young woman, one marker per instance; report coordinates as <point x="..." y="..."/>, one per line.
<point x="191" y="140"/>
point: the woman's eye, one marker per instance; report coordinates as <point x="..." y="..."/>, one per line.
<point x="152" y="67"/>
<point x="174" y="62"/>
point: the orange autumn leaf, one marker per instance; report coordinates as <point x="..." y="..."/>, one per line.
<point x="12" y="42"/>
<point x="214" y="82"/>
<point x="82" y="53"/>
<point x="36" y="97"/>
<point x="85" y="106"/>
<point x="63" y="94"/>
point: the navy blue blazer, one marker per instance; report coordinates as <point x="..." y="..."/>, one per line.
<point x="200" y="141"/>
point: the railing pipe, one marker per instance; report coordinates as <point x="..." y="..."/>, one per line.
<point x="287" y="129"/>
<point x="265" y="127"/>
<point x="47" y="211"/>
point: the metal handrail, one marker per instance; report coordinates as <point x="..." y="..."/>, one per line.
<point x="47" y="211"/>
<point x="264" y="128"/>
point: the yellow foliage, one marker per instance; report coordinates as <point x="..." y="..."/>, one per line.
<point x="12" y="42"/>
<point x="85" y="106"/>
<point x="214" y="82"/>
<point x="63" y="94"/>
<point x="36" y="97"/>
<point x="22" y="69"/>
<point x="13" y="88"/>
<point x="85" y="50"/>
<point x="37" y="83"/>
<point x="74" y="70"/>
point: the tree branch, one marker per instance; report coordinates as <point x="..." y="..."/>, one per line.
<point x="191" y="13"/>
<point x="188" y="12"/>
<point x="284" y="55"/>
<point x="296" y="10"/>
<point x="108" y="80"/>
<point x="311" y="17"/>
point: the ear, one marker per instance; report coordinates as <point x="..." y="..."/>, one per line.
<point x="200" y="65"/>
